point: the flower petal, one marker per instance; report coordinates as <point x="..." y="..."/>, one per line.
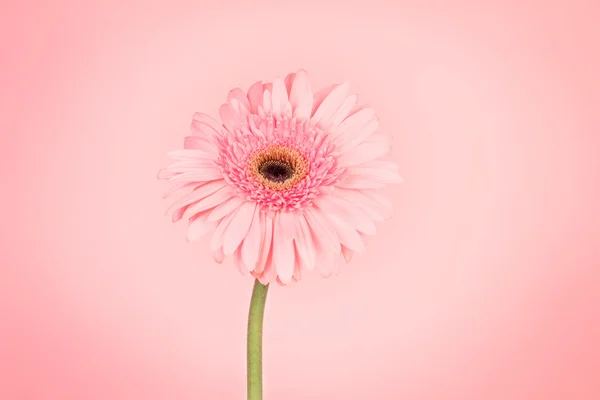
<point x="239" y="262"/>
<point x="211" y="201"/>
<point x="283" y="252"/>
<point x="354" y="124"/>
<point x="287" y="220"/>
<point x="239" y="96"/>
<point x="218" y="256"/>
<point x="374" y="174"/>
<point x="225" y="208"/>
<point x="322" y="230"/>
<point x="199" y="226"/>
<point x="304" y="243"/>
<point x="218" y="237"/>
<point x="365" y="203"/>
<point x="331" y="104"/>
<point x="357" y="135"/>
<point x="321" y="95"/>
<point x="229" y="116"/>
<point x="289" y="80"/>
<point x="206" y="127"/>
<point x="279" y="97"/>
<point x="350" y="182"/>
<point x="200" y="192"/>
<point x="250" y="249"/>
<point x="191" y="154"/>
<point x="266" y="243"/>
<point x="239" y="227"/>
<point x="180" y="186"/>
<point x="301" y="96"/>
<point x="347" y="234"/>
<point x="255" y="96"/>
<point x="197" y="175"/>
<point x="347" y="211"/>
<point x="362" y="154"/>
<point x="343" y="111"/>
<point x="267" y="102"/>
<point x="382" y="201"/>
<point x="347" y="253"/>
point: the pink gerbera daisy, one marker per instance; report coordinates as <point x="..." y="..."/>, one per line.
<point x="286" y="182"/>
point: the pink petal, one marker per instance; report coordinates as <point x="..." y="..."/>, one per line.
<point x="239" y="262"/>
<point x="199" y="226"/>
<point x="283" y="252"/>
<point x="325" y="260"/>
<point x="266" y="243"/>
<point x="239" y="227"/>
<point x="331" y="104"/>
<point x="320" y="96"/>
<point x="218" y="256"/>
<point x="347" y="253"/>
<point x="200" y="192"/>
<point x="322" y="229"/>
<point x="191" y="154"/>
<point x="343" y="111"/>
<point x="239" y="96"/>
<point x="347" y="234"/>
<point x="287" y="220"/>
<point x="165" y="174"/>
<point x="301" y="97"/>
<point x="191" y="165"/>
<point x="383" y="202"/>
<point x="347" y="211"/>
<point x="355" y="136"/>
<point x="211" y="201"/>
<point x="198" y="175"/>
<point x="205" y="126"/>
<point x="229" y="116"/>
<point x="267" y="102"/>
<point x="225" y="208"/>
<point x="350" y="182"/>
<point x="178" y="214"/>
<point x="304" y="243"/>
<point x="374" y="174"/>
<point x="199" y="143"/>
<point x="279" y="97"/>
<point x="180" y="186"/>
<point x="355" y="123"/>
<point x="255" y="96"/>
<point x="382" y="164"/>
<point x="362" y="154"/>
<point x="250" y="249"/>
<point x="269" y="274"/>
<point x="365" y="203"/>
<point x="301" y="264"/>
<point x="298" y="266"/>
<point x="338" y="261"/>
<point x="218" y="237"/>
<point x="289" y="80"/>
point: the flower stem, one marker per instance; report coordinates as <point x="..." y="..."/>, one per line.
<point x="255" y="327"/>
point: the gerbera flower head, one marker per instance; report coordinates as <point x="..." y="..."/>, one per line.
<point x="286" y="182"/>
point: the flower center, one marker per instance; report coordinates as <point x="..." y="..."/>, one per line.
<point x="278" y="167"/>
<point x="276" y="171"/>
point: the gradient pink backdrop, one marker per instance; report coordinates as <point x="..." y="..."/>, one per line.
<point x="485" y="285"/>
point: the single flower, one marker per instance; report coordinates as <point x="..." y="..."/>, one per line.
<point x="286" y="182"/>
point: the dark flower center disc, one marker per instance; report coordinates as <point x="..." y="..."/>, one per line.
<point x="276" y="171"/>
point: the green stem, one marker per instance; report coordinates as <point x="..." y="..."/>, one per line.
<point x="255" y="327"/>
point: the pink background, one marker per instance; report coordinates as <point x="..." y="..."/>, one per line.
<point x="485" y="285"/>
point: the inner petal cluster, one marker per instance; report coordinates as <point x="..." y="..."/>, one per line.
<point x="279" y="163"/>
